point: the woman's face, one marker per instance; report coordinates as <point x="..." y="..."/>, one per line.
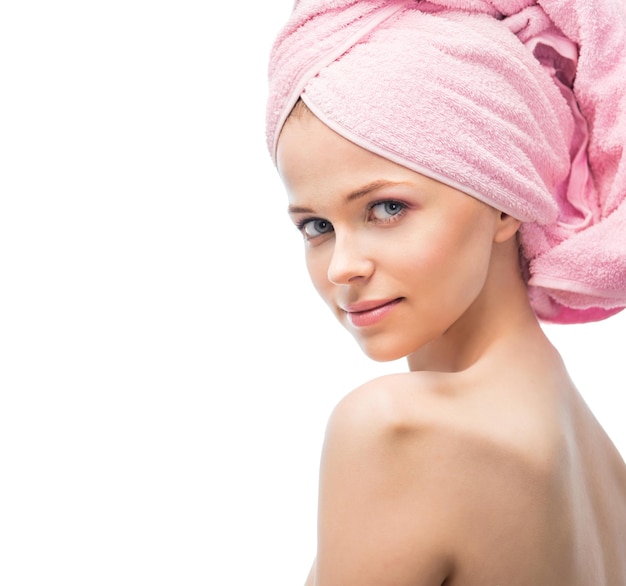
<point x="398" y="257"/>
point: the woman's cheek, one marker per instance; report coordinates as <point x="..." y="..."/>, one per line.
<point x="317" y="265"/>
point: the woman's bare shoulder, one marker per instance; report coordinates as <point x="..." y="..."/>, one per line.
<point x="394" y="403"/>
<point x="377" y="519"/>
<point x="445" y="408"/>
<point x="405" y="479"/>
<point x="427" y="409"/>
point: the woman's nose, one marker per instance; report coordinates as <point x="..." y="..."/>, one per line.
<point x="349" y="261"/>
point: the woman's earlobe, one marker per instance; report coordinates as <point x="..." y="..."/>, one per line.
<point x="507" y="227"/>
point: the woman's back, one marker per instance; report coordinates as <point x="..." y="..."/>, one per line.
<point x="551" y="509"/>
<point x="507" y="483"/>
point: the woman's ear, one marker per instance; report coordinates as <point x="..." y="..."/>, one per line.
<point x="506" y="228"/>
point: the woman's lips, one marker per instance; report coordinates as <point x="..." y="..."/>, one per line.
<point x="368" y="313"/>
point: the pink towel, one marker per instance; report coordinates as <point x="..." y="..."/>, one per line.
<point x="519" y="103"/>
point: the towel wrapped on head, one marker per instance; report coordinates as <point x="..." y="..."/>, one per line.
<point x="519" y="103"/>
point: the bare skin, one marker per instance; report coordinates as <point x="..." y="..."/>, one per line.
<point x="482" y="466"/>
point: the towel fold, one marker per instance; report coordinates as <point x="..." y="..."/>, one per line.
<point x="519" y="103"/>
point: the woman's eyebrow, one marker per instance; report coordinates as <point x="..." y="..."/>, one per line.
<point x="366" y="189"/>
<point x="358" y="193"/>
<point x="299" y="210"/>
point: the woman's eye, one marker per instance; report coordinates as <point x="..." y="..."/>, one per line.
<point x="314" y="228"/>
<point x="386" y="209"/>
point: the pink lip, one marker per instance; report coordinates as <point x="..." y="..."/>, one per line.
<point x="367" y="313"/>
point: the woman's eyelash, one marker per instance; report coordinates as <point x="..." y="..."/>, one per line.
<point x="392" y="208"/>
<point x="312" y="228"/>
<point x="302" y="223"/>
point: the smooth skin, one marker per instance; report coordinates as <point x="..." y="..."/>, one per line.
<point x="482" y="466"/>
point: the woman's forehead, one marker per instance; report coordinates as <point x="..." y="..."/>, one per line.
<point x="312" y="158"/>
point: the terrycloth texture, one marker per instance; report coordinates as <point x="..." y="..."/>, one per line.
<point x="519" y="103"/>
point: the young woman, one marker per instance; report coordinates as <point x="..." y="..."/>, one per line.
<point x="457" y="171"/>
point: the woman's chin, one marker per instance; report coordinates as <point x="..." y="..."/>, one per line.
<point x="382" y="352"/>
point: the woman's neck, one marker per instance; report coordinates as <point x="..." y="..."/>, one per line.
<point x="501" y="314"/>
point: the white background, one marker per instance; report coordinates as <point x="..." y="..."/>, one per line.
<point x="166" y="371"/>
